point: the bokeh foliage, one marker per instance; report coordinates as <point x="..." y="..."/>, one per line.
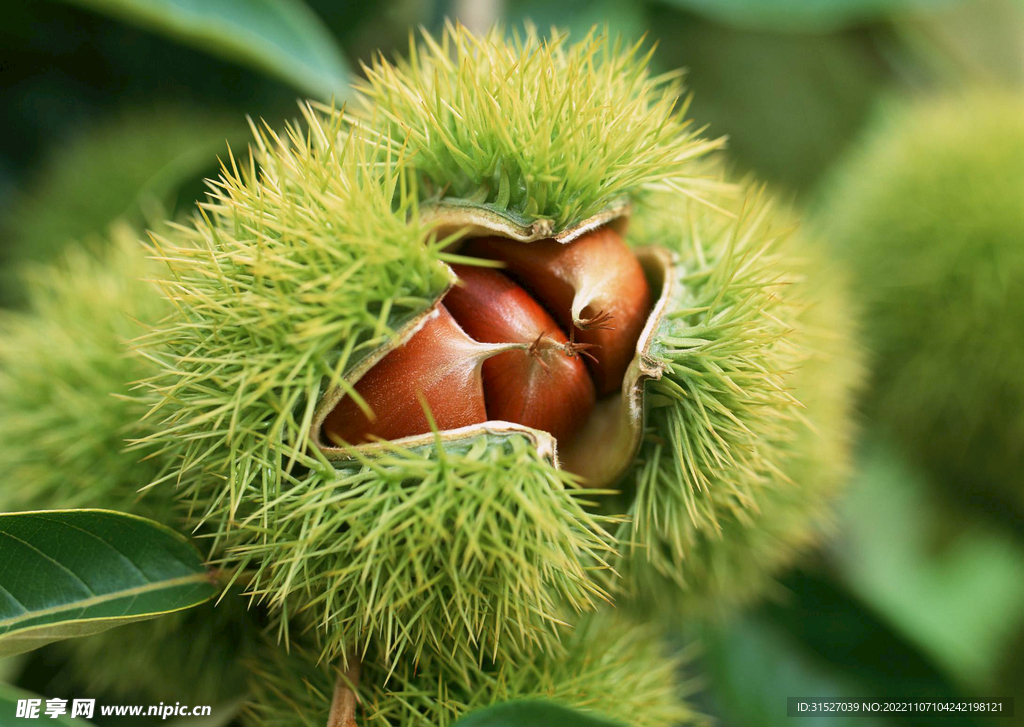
<point x="928" y="216"/>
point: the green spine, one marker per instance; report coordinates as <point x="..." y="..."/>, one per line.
<point x="750" y="425"/>
<point x="539" y="128"/>
<point x="195" y="656"/>
<point x="606" y="665"/>
<point x="305" y="260"/>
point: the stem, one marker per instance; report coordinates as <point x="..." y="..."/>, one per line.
<point x="588" y="294"/>
<point x="573" y="349"/>
<point x="487" y="350"/>
<point x="601" y="321"/>
<point x="343" y="705"/>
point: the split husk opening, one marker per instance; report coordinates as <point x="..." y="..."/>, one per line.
<point x="604" y="448"/>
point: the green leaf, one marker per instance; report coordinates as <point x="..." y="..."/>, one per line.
<point x="9" y="697"/>
<point x="753" y="665"/>
<point x="282" y="37"/>
<point x="628" y="19"/>
<point x="535" y="714"/>
<point x="820" y="642"/>
<point x="67" y="573"/>
<point x="804" y="15"/>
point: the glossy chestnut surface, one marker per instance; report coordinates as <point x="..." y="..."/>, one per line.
<point x="594" y="286"/>
<point x="545" y="386"/>
<point x="440" y="363"/>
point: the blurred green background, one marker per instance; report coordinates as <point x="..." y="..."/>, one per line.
<point x="117" y="109"/>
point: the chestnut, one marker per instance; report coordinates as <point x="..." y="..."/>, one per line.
<point x="594" y="286"/>
<point x="439" y="366"/>
<point x="545" y="386"/>
<point x="535" y="347"/>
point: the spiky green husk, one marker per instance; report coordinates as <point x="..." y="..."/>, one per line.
<point x="292" y="275"/>
<point x="928" y="214"/>
<point x="193" y="657"/>
<point x="66" y="376"/>
<point x="310" y="256"/>
<point x="464" y="548"/>
<point x="537" y="128"/>
<point x="295" y="270"/>
<point x="750" y="424"/>
<point x="606" y="666"/>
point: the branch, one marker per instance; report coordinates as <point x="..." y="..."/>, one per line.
<point x="343" y="705"/>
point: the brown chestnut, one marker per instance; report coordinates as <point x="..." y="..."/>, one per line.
<point x="594" y="286"/>
<point x="545" y="386"/>
<point x="439" y="365"/>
